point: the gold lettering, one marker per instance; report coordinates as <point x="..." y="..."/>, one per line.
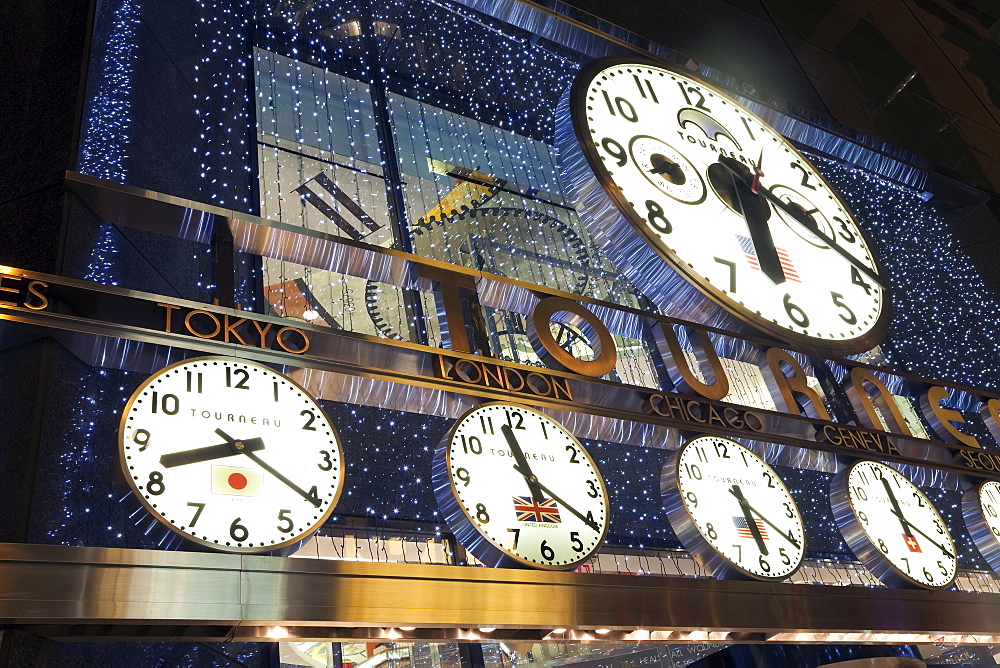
<point x="734" y="421"/>
<point x="784" y="388"/>
<point x="677" y="366"/>
<point x="493" y="373"/>
<point x="451" y="290"/>
<point x="545" y="345"/>
<point x="231" y="329"/>
<point x="261" y="332"/>
<point x="460" y="368"/>
<point x="169" y="308"/>
<point x="692" y="415"/>
<point x="32" y="290"/>
<point x="561" y="386"/>
<point x="539" y="384"/>
<point x="714" y="417"/>
<point x="305" y="340"/>
<point x="990" y="410"/>
<point x="190" y="327"/>
<point x="517" y="375"/>
<point x="864" y="402"/>
<point x="941" y="419"/>
<point x="5" y="288"/>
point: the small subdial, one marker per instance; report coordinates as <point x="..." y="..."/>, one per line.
<point x="809" y="216"/>
<point x="667" y="169"/>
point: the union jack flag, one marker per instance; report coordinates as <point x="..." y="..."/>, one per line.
<point x="746" y="244"/>
<point x="529" y="510"/>
<point x="743" y="529"/>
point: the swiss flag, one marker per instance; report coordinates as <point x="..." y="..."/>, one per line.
<point x="912" y="543"/>
<point x="237" y="481"/>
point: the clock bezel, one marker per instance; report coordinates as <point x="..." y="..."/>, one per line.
<point x="462" y="523"/>
<point x="861" y="544"/>
<point x="975" y="521"/>
<point x="282" y="548"/>
<point x="686" y="530"/>
<point x="630" y="224"/>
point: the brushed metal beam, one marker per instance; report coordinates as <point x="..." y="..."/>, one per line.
<point x="83" y="592"/>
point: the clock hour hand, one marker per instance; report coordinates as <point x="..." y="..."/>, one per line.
<point x="786" y="536"/>
<point x="209" y="453"/>
<point x="756" y="212"/>
<point x="583" y="518"/>
<point x="522" y="463"/>
<point x="748" y="518"/>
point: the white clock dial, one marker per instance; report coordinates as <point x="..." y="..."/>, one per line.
<point x="892" y="526"/>
<point x="518" y="489"/>
<point x="230" y="454"/>
<point x="731" y="510"/>
<point x="703" y="185"/>
<point x="981" y="508"/>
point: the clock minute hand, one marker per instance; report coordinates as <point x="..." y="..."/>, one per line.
<point x="896" y="510"/>
<point x="267" y="467"/>
<point x="748" y="518"/>
<point x="768" y="522"/>
<point x="522" y="462"/>
<point x="583" y="518"/>
<point x="208" y="453"/>
<point x="929" y="539"/>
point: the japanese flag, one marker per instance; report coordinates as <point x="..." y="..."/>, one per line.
<point x="237" y="481"/>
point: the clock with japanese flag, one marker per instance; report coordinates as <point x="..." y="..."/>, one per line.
<point x="231" y="455"/>
<point x="692" y="195"/>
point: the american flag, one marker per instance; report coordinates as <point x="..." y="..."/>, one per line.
<point x="746" y="244"/>
<point x="912" y="543"/>
<point x="529" y="510"/>
<point x="743" y="529"/>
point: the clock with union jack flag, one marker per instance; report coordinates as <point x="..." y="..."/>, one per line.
<point x="517" y="489"/>
<point x="731" y="511"/>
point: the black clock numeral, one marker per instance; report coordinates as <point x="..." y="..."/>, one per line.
<point x="906" y="562"/>
<point x="519" y="419"/>
<point x="464" y="476"/>
<point x="486" y="422"/>
<point x="732" y="272"/>
<point x="313" y="494"/>
<point x="743" y="454"/>
<point x="710" y="530"/>
<point x="863" y="517"/>
<point x="547" y="552"/>
<point x="700" y="451"/>
<point x="545" y="432"/>
<point x="238" y="532"/>
<point x="739" y="551"/>
<point x="169" y="403"/>
<point x="920" y="500"/>
<point x="845" y="230"/>
<point x="517" y="535"/>
<point x="594" y="492"/>
<point x="692" y="499"/>
<point x="481" y="513"/>
<point x="721" y="450"/>
<point x="700" y="104"/>
<point x="996" y="531"/>
<point x="194" y="382"/>
<point x="327" y="463"/>
<point x="789" y="513"/>
<point x="990" y="510"/>
<point x="142" y="438"/>
<point x="283" y="517"/>
<point x="938" y="526"/>
<point x="805" y="175"/>
<point x="944" y="571"/>
<point x="155" y="484"/>
<point x="309" y="421"/>
<point x="785" y="559"/>
<point x="473" y="445"/>
<point x="573" y="452"/>
<point x="882" y="546"/>
<point x="242" y="383"/>
<point x="746" y="124"/>
<point x="656" y="218"/>
<point x="574" y="538"/>
<point x="770" y="479"/>
<point x="857" y="279"/>
<point x="927" y="574"/>
<point x="838" y="300"/>
<point x="860" y="493"/>
<point x="648" y="87"/>
<point x="797" y="315"/>
<point x="615" y="150"/>
<point x="276" y="390"/>
<point x="624" y="107"/>
<point x="590" y="517"/>
<point x="197" y="513"/>
<point x="692" y="471"/>
<point x="764" y="566"/>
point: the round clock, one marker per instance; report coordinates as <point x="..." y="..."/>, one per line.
<point x="892" y="527"/>
<point x="731" y="511"/>
<point x="687" y="191"/>
<point x="517" y="489"/>
<point x="230" y="455"/>
<point x="981" y="508"/>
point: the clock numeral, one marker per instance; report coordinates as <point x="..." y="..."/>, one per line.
<point x="920" y="500"/>
<point x="732" y="272"/>
<point x="474" y="445"/>
<point x="746" y="124"/>
<point x="863" y="517"/>
<point x="845" y="231"/>
<point x="700" y="451"/>
<point x="517" y="535"/>
<point x="785" y="559"/>
<point x="996" y="531"/>
<point x="692" y="499"/>
<point x="519" y="419"/>
<point x="797" y="315"/>
<point x="990" y="510"/>
<point x="856" y="279"/>
<point x="615" y="150"/>
<point x="486" y="422"/>
<point x="313" y="495"/>
<point x="283" y="517"/>
<point x="938" y="526"/>
<point x="238" y="532"/>
<point x="944" y="571"/>
<point x="882" y="546"/>
<point x="648" y="87"/>
<point x="789" y="513"/>
<point x="590" y="517"/>
<point x="656" y="218"/>
<point x="312" y="418"/>
<point x="275" y="390"/>
<point x="547" y="552"/>
<point x="838" y="300"/>
<point x="692" y="471"/>
<point x="194" y="381"/>
<point x="712" y="533"/>
<point x="927" y="574"/>
<point x="722" y="451"/>
<point x="594" y="492"/>
<point x="155" y="484"/>
<point x="572" y="454"/>
<point x="700" y="104"/>
<point x="142" y="438"/>
<point x="242" y="383"/>
<point x="805" y="175"/>
<point x="327" y="463"/>
<point x="764" y="566"/>
<point x="739" y="551"/>
<point x="481" y="513"/>
<point x="545" y="432"/>
<point x="169" y="403"/>
<point x="574" y="538"/>
<point x="197" y="513"/>
<point x="743" y="454"/>
<point x="860" y="493"/>
<point x="624" y="107"/>
<point x="464" y="476"/>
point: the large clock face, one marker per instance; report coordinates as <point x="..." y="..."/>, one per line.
<point x="892" y="527"/>
<point x="981" y="509"/>
<point x="731" y="510"/>
<point x="704" y="186"/>
<point x="518" y="489"/>
<point x="230" y="454"/>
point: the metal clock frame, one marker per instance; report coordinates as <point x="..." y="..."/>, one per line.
<point x="975" y="521"/>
